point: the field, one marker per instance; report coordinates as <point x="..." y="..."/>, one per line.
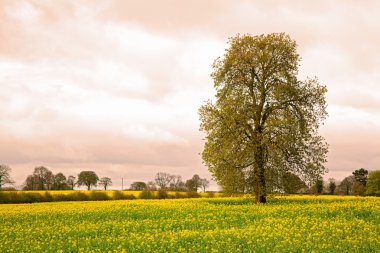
<point x="285" y="224"/>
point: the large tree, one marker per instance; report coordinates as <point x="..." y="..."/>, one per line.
<point x="265" y="119"/>
<point x="87" y="178"/>
<point x="5" y="177"/>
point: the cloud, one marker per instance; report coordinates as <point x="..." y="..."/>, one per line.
<point x="115" y="85"/>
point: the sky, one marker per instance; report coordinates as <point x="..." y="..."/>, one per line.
<point x="114" y="86"/>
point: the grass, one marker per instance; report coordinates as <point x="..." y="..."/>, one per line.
<point x="285" y="224"/>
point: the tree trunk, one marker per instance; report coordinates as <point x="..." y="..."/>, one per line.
<point x="259" y="171"/>
<point x="88" y="187"/>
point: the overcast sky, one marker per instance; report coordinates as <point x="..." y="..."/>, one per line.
<point x="114" y="86"/>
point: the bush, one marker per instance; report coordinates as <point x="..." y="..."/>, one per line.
<point x="97" y="195"/>
<point x="192" y="194"/>
<point x="162" y="194"/>
<point x="146" y="194"/>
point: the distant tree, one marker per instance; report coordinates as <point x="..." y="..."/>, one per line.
<point x="332" y="186"/>
<point x="60" y="182"/>
<point x="361" y="176"/>
<point x="42" y="178"/>
<point x="5" y="177"/>
<point x="151" y="186"/>
<point x="318" y="186"/>
<point x="373" y="183"/>
<point x="204" y="184"/>
<point x="194" y="183"/>
<point x="138" y="186"/>
<point x="358" y="189"/>
<point x="291" y="183"/>
<point x="49" y="180"/>
<point x="346" y="186"/>
<point x="71" y="182"/>
<point x="177" y="184"/>
<point x="163" y="180"/>
<point x="87" y="178"/>
<point x="29" y="183"/>
<point x="105" y="182"/>
<point x="360" y="181"/>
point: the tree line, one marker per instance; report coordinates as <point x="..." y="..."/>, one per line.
<point x="44" y="179"/>
<point x="166" y="181"/>
<point x="361" y="182"/>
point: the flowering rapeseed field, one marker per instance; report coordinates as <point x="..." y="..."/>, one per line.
<point x="285" y="224"/>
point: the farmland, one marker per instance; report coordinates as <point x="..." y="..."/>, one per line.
<point x="285" y="224"/>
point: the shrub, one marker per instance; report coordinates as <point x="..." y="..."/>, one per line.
<point x="146" y="194"/>
<point x="97" y="195"/>
<point x="162" y="194"/>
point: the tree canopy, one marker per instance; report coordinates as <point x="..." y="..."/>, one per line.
<point x="265" y="120"/>
<point x="105" y="182"/>
<point x="87" y="178"/>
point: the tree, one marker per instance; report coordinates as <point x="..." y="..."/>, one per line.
<point x="71" y="181"/>
<point x="138" y="186"/>
<point x="163" y="180"/>
<point x="332" y="186"/>
<point x="360" y="181"/>
<point x="361" y="176"/>
<point x="194" y="183"/>
<point x="105" y="181"/>
<point x="5" y="177"/>
<point x="87" y="178"/>
<point x="177" y="184"/>
<point x="291" y="183"/>
<point x="373" y="183"/>
<point x="346" y="186"/>
<point x="42" y="178"/>
<point x="60" y="182"/>
<point x="264" y="119"/>
<point x="204" y="184"/>
<point x="30" y="183"/>
<point x="318" y="186"/>
<point x="151" y="186"/>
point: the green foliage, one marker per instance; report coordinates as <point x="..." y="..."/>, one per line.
<point x="194" y="183"/>
<point x="87" y="178"/>
<point x="146" y="194"/>
<point x="361" y="176"/>
<point x="318" y="186"/>
<point x="264" y="120"/>
<point x="162" y="194"/>
<point x="292" y="183"/>
<point x="373" y="183"/>
<point x="332" y="186"/>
